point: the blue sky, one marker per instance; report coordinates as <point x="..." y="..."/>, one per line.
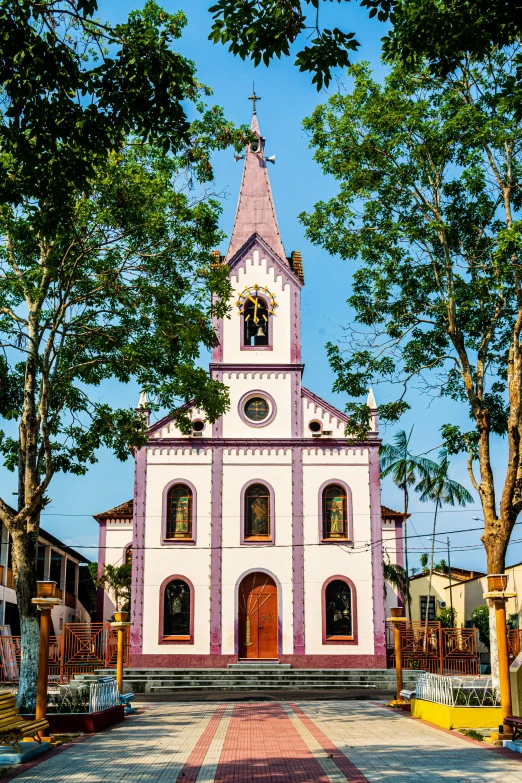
<point x="287" y="96"/>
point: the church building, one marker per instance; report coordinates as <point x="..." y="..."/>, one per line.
<point x="260" y="536"/>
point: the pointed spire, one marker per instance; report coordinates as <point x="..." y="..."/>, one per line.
<point x="370" y="402"/>
<point x="143" y="403"/>
<point x="255" y="213"/>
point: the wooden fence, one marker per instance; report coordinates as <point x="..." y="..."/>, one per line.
<point x="436" y="650"/>
<point x="82" y="648"/>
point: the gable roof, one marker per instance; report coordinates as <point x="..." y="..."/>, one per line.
<point x="255" y="212"/>
<point x="459" y="574"/>
<point x="323" y="404"/>
<point x="123" y="511"/>
<point x="389" y="512"/>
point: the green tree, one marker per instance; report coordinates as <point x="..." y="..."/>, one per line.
<point x="438" y="30"/>
<point x="480" y="619"/>
<point x="116" y="580"/>
<point x="447" y="617"/>
<point x="405" y="470"/>
<point x="437" y="487"/>
<point x="424" y="560"/>
<point x="427" y="171"/>
<point x="441" y="566"/>
<point x="105" y="263"/>
<point x="397" y="577"/>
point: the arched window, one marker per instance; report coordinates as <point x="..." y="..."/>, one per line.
<point x="255" y="323"/>
<point x="179" y="512"/>
<point x="177" y="610"/>
<point x="335" y="513"/>
<point x="127" y="560"/>
<point x="338" y="611"/>
<point x="257" y="512"/>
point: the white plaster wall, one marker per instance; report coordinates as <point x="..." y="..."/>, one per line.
<point x="389" y="547"/>
<point x="278" y="385"/>
<point x="323" y="561"/>
<point x="117" y="538"/>
<point x="192" y="562"/>
<point x="312" y="411"/>
<point x="256" y="271"/>
<point x="239" y="560"/>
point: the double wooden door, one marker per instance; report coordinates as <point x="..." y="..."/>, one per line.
<point x="257" y="632"/>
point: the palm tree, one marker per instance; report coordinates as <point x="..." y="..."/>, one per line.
<point x="397" y="577"/>
<point x="438" y="487"/>
<point x="405" y="469"/>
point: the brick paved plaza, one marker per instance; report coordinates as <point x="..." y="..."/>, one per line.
<point x="303" y="742"/>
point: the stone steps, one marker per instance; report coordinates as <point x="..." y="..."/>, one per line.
<point x="249" y="677"/>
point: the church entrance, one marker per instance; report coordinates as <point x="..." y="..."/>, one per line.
<point x="257" y="631"/>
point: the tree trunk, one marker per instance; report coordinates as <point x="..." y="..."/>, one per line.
<point x="430" y="578"/>
<point x="405" y="539"/>
<point x="25" y="553"/>
<point x="496" y="547"/>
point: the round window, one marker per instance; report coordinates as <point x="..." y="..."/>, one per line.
<point x="256" y="409"/>
<point x="198" y="425"/>
<point x="315" y="426"/>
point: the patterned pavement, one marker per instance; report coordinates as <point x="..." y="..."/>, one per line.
<point x="269" y="742"/>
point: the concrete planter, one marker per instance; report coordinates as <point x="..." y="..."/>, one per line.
<point x="456" y="717"/>
<point x="86" y="722"/>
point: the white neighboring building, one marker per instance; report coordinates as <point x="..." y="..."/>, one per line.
<point x="56" y="562"/>
<point x="260" y="536"/>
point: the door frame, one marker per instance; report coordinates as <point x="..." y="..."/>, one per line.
<point x="279" y="607"/>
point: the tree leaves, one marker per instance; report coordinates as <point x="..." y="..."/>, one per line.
<point x="262" y="31"/>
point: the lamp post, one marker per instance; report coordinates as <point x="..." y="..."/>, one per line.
<point x="498" y="596"/>
<point x="120" y="625"/>
<point x="396" y="619"/>
<point x="45" y="599"/>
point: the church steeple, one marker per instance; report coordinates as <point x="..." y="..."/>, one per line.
<point x="255" y="211"/>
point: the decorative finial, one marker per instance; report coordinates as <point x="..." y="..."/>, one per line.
<point x="254" y="98"/>
<point x="370" y="402"/>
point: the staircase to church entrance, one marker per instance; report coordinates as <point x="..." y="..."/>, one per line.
<point x="255" y="677"/>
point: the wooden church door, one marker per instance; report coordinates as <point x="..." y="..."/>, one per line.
<point x="257" y="631"/>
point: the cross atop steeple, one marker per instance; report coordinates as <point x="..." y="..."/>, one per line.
<point x="254" y="98"/>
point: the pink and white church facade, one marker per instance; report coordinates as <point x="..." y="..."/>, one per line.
<point x="260" y="536"/>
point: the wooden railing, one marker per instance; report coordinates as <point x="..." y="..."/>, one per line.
<point x="10" y="579"/>
<point x="82" y="648"/>
<point x="1" y="575"/>
<point x="438" y="650"/>
<point x="70" y="600"/>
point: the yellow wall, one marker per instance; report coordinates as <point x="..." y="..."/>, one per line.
<point x="457" y="717"/>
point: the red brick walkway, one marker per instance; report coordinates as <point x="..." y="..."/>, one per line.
<point x="262" y="745"/>
<point x="309" y="742"/>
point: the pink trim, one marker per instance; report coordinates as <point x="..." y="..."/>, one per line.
<point x="295" y="325"/>
<point x="257" y="393"/>
<point x="379" y="615"/>
<point x="216" y="511"/>
<point x="257" y="367"/>
<point x="164" y="541"/>
<point x="217" y="323"/>
<point x="298" y="552"/>
<point x="323" y="404"/>
<point x="354" y="639"/>
<point x="161" y="639"/>
<point x="267" y="541"/>
<point x="349" y="512"/>
<point x="296" y="407"/>
<point x="138" y="549"/>
<point x="100" y="592"/>
<point x="191" y="661"/>
<point x="319" y="444"/>
<point x="270" y="346"/>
